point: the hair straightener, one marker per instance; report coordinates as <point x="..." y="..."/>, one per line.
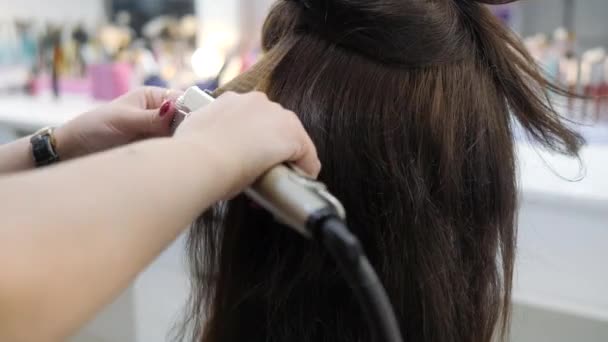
<point x="307" y="206"/>
<point x="294" y="199"/>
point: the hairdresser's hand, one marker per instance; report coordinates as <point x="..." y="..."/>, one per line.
<point x="140" y="114"/>
<point x="247" y="135"/>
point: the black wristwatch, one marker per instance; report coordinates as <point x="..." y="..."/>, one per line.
<point x="44" y="147"/>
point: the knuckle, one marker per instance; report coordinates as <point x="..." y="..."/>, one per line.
<point x="287" y="120"/>
<point x="259" y="94"/>
<point x="148" y="91"/>
<point x="229" y="95"/>
<point x="294" y="120"/>
<point x="258" y="97"/>
<point x="142" y="89"/>
<point x="318" y="166"/>
<point x="276" y="108"/>
<point x="297" y="148"/>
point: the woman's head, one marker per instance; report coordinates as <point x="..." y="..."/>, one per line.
<point x="411" y="105"/>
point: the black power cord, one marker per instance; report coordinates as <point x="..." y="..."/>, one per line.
<point x="346" y="250"/>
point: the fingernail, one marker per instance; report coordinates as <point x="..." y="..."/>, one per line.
<point x="165" y="108"/>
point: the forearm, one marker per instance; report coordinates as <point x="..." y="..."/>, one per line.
<point x="91" y="225"/>
<point x="16" y="156"/>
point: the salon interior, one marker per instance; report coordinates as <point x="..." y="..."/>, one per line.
<point x="59" y="58"/>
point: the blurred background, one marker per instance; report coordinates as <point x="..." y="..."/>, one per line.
<point x="58" y="58"/>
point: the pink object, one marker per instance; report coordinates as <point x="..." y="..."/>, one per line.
<point x="75" y="85"/>
<point x="109" y="81"/>
<point x="67" y="85"/>
<point x="36" y="86"/>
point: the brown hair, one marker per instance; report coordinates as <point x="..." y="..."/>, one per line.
<point x="411" y="104"/>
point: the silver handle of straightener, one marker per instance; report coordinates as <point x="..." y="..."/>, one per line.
<point x="292" y="197"/>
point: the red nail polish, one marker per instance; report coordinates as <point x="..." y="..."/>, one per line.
<point x="165" y="108"/>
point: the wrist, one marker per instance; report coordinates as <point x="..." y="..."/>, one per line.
<point x="219" y="164"/>
<point x="66" y="143"/>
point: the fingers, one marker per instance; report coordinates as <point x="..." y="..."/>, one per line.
<point x="155" y="97"/>
<point x="307" y="160"/>
<point x="159" y="120"/>
<point x="305" y="155"/>
<point x="256" y="134"/>
<point x="159" y="104"/>
<point x="151" y="123"/>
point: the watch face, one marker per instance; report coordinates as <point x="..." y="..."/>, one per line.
<point x="42" y="149"/>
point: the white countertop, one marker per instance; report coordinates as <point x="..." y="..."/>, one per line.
<point x="32" y="113"/>
<point x="551" y="175"/>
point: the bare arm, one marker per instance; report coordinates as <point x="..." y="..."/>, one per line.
<point x="134" y="116"/>
<point x="74" y="236"/>
<point x="83" y="231"/>
<point x="16" y="156"/>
